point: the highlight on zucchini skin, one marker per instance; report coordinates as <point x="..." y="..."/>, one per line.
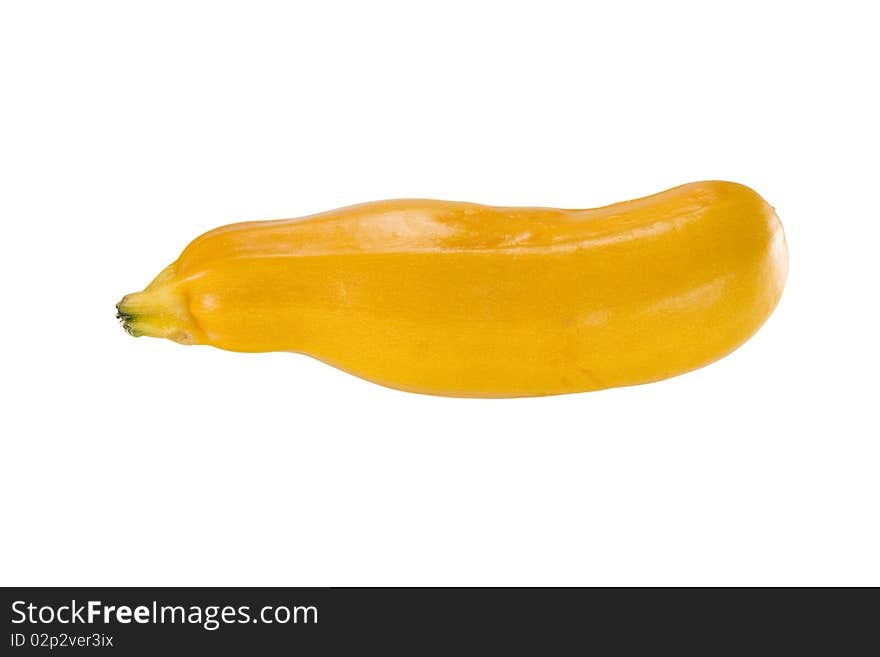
<point x="461" y="299"/>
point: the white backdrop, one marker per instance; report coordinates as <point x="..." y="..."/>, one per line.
<point x="129" y="128"/>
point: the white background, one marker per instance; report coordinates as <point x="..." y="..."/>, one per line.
<point x="130" y="128"/>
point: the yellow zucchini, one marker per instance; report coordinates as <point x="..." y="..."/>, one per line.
<point x="462" y="299"/>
